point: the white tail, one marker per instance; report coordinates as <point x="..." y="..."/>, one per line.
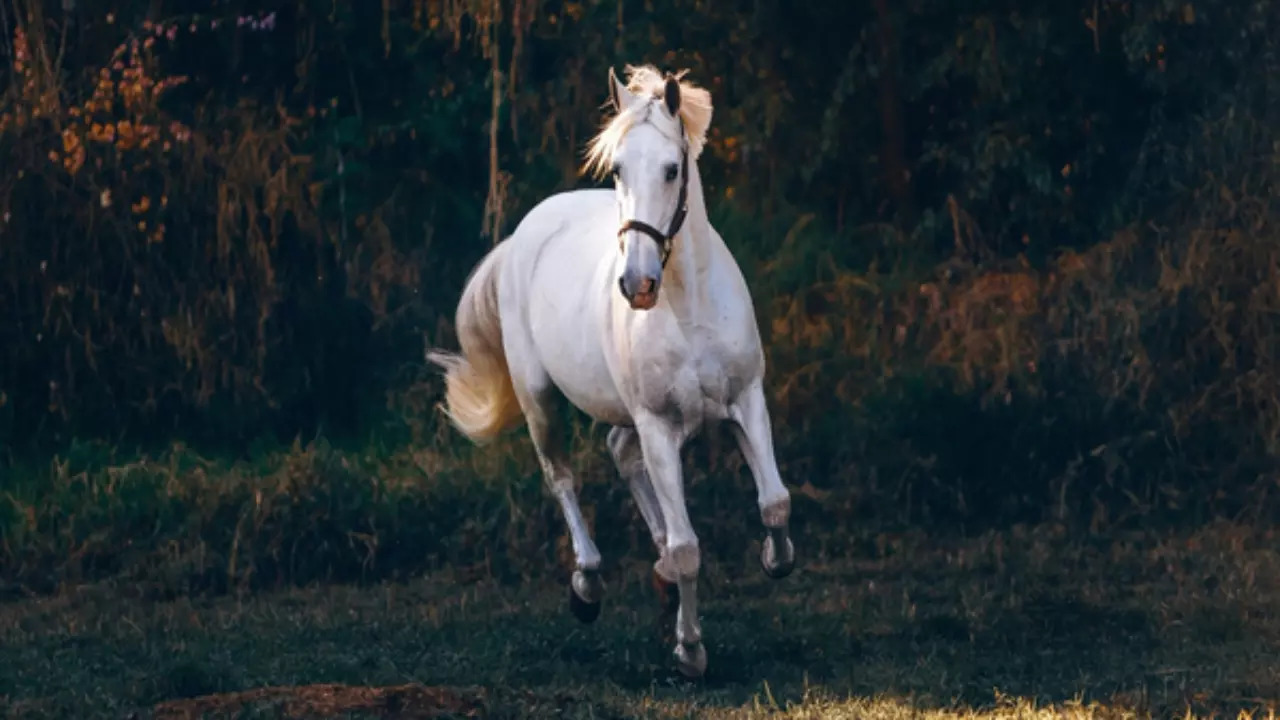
<point x="479" y="398"/>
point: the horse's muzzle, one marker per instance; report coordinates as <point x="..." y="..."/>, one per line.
<point x="641" y="293"/>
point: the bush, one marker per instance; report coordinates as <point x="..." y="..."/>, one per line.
<point x="1010" y="265"/>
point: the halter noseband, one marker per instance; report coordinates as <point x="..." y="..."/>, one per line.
<point x="682" y="209"/>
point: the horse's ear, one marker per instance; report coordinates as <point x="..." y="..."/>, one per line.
<point x="619" y="95"/>
<point x="613" y="90"/>
<point x="672" y="95"/>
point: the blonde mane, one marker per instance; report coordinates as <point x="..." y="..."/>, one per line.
<point x="695" y="115"/>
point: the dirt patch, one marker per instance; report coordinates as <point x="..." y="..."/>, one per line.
<point x="330" y="700"/>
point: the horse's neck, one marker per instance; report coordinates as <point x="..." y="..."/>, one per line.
<point x="691" y="256"/>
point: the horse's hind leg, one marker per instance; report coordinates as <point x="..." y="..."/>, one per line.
<point x="624" y="446"/>
<point x="544" y="410"/>
<point x="753" y="431"/>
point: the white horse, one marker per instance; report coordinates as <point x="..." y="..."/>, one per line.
<point x="650" y="331"/>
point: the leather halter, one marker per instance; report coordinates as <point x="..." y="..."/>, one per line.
<point x="682" y="209"/>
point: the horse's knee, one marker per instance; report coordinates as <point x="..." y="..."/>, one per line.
<point x="685" y="560"/>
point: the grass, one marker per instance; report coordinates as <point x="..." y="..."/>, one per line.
<point x="1029" y="622"/>
<point x="429" y="579"/>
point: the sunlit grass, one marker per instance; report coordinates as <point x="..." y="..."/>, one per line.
<point x="819" y="706"/>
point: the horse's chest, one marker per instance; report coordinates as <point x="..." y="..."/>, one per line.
<point x="718" y="374"/>
<point x="701" y="384"/>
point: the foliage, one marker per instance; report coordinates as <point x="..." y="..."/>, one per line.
<point x="1012" y="264"/>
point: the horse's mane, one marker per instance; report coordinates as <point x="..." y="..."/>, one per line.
<point x="646" y="80"/>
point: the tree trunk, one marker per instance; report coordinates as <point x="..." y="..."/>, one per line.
<point x="892" y="151"/>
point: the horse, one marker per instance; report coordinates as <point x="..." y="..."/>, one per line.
<point x="590" y="303"/>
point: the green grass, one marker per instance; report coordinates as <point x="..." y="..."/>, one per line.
<point x="1031" y="622"/>
<point x="403" y="582"/>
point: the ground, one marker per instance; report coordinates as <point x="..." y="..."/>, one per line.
<point x="1021" y="623"/>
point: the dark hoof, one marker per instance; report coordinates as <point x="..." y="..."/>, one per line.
<point x="587" y="583"/>
<point x="668" y="593"/>
<point x="777" y="565"/>
<point x="778" y="572"/>
<point x="691" y="661"/>
<point x="584" y="611"/>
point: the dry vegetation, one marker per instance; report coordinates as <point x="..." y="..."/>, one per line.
<point x="1027" y="397"/>
<point x="1143" y="356"/>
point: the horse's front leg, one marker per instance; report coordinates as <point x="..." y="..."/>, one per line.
<point x="624" y="446"/>
<point x="754" y="433"/>
<point x="660" y="442"/>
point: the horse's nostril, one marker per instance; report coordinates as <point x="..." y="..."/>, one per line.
<point x="646" y="286"/>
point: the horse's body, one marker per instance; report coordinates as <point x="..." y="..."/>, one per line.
<point x="571" y="309"/>
<point x="557" y="292"/>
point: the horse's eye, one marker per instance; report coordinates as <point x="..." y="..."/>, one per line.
<point x="616" y="171"/>
<point x="672" y="171"/>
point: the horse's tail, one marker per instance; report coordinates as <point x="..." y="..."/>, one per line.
<point x="479" y="398"/>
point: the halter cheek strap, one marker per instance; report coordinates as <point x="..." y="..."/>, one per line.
<point x="682" y="210"/>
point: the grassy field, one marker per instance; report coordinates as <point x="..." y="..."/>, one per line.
<point x="1031" y="622"/>
<point x="1028" y="404"/>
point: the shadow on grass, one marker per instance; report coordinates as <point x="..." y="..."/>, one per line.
<point x="817" y="631"/>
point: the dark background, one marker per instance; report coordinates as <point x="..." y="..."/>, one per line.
<point x="1013" y="262"/>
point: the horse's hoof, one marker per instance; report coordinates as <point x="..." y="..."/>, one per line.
<point x="668" y="593"/>
<point x="584" y="595"/>
<point x="777" y="565"/>
<point x="691" y="660"/>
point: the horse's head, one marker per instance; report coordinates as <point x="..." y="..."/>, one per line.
<point x="646" y="149"/>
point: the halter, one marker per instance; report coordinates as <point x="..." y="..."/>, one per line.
<point x="682" y="209"/>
